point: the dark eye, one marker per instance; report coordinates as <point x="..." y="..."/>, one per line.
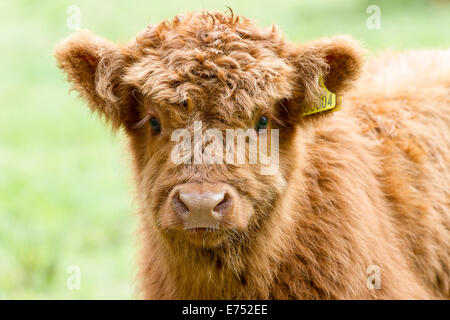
<point x="262" y="123"/>
<point x="155" y="124"/>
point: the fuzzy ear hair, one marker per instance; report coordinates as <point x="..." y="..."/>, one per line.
<point x="336" y="60"/>
<point x="94" y="66"/>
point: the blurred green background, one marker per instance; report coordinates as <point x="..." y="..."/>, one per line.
<point x="65" y="188"/>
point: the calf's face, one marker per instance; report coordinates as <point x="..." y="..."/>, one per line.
<point x="212" y="107"/>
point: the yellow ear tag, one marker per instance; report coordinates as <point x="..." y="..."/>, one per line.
<point x="328" y="101"/>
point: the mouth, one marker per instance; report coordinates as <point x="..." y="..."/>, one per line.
<point x="202" y="231"/>
<point x="203" y="235"/>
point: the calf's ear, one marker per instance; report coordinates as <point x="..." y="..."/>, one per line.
<point x="334" y="61"/>
<point x="95" y="66"/>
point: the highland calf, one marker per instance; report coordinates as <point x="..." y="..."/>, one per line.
<point x="363" y="188"/>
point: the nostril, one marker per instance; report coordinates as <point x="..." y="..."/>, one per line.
<point x="224" y="206"/>
<point x="178" y="205"/>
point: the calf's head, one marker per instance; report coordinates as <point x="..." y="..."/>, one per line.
<point x="182" y="88"/>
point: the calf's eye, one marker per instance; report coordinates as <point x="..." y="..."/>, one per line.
<point x="262" y="123"/>
<point x="155" y="125"/>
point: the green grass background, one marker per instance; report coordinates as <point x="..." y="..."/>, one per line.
<point x="65" y="187"/>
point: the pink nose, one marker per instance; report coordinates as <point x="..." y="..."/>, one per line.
<point x="201" y="205"/>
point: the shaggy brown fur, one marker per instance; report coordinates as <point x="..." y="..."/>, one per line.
<point x="364" y="186"/>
